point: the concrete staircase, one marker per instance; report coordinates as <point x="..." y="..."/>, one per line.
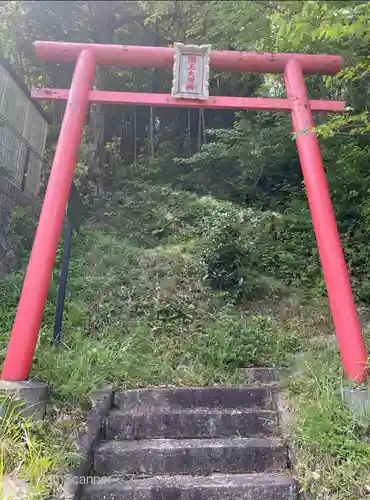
<point x="194" y="444"/>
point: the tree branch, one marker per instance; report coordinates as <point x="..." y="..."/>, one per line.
<point x="358" y="134"/>
<point x="116" y="23"/>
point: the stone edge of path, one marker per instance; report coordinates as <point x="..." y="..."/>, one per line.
<point x="102" y="403"/>
<point x="284" y="424"/>
<point x="31" y="394"/>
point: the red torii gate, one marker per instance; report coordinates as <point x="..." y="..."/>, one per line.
<point x="23" y="339"/>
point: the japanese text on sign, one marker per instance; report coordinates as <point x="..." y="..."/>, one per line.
<point x="192" y="72"/>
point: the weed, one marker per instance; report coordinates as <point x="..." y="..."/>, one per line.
<point x="139" y="311"/>
<point x="333" y="452"/>
<point x="21" y="454"/>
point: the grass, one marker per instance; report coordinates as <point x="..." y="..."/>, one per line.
<point x="34" y="452"/>
<point x="333" y="450"/>
<point x="139" y="312"/>
<point x="139" y="317"/>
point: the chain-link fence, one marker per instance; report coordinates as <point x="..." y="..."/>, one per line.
<point x="19" y="205"/>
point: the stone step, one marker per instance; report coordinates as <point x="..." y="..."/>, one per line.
<point x="190" y="456"/>
<point x="196" y="397"/>
<point x="215" y="487"/>
<point x="190" y="423"/>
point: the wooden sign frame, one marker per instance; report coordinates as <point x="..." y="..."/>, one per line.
<point x="191" y="71"/>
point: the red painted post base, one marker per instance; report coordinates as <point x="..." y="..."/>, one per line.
<point x="345" y="317"/>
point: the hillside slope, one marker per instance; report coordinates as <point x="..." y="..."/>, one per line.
<point x="170" y="288"/>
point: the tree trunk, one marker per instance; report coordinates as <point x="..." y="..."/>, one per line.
<point x="189" y="131"/>
<point x="203" y="127"/>
<point x="100" y="17"/>
<point x="151" y="123"/>
<point x="199" y="129"/>
<point x="135" y="139"/>
<point x="97" y="144"/>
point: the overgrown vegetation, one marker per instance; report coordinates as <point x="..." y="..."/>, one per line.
<point x="332" y="448"/>
<point x="198" y="256"/>
<point x="32" y="454"/>
<point x="140" y="315"/>
<point x="185" y="307"/>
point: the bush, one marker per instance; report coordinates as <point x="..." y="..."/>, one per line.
<point x="222" y="256"/>
<point x="19" y="235"/>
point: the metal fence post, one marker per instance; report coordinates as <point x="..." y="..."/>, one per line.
<point x="62" y="282"/>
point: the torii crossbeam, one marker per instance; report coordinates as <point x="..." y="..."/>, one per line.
<point x="23" y="340"/>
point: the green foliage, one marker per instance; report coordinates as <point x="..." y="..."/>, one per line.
<point x="140" y="316"/>
<point x="23" y="227"/>
<point x="134" y="315"/>
<point x="337" y="27"/>
<point x="253" y="163"/>
<point x="143" y="317"/>
<point x="32" y="452"/>
<point x="332" y="449"/>
<point x="167" y="280"/>
<point x="285" y="248"/>
<point x="238" y="342"/>
<point x="223" y="257"/>
<point x="20" y="232"/>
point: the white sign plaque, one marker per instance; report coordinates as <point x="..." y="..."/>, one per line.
<point x="191" y="71"/>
